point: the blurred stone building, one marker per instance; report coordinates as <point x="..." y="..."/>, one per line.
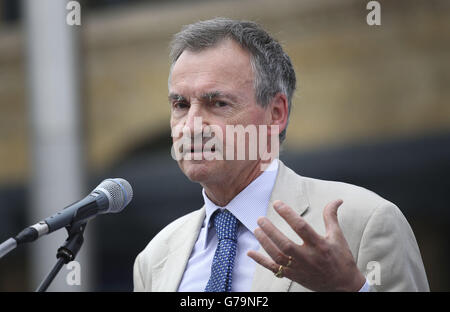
<point x="358" y="85"/>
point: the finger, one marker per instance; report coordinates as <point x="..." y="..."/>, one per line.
<point x="297" y="223"/>
<point x="264" y="261"/>
<point x="284" y="244"/>
<point x="330" y="217"/>
<point x="272" y="250"/>
<point x="269" y="263"/>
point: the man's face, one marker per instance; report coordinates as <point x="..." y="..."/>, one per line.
<point x="217" y="85"/>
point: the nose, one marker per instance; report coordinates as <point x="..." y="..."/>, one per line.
<point x="195" y="121"/>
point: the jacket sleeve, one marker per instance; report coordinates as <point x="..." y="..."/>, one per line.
<point x="389" y="255"/>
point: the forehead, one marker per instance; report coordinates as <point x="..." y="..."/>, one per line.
<point x="225" y="66"/>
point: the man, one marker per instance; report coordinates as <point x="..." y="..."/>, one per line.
<point x="263" y="230"/>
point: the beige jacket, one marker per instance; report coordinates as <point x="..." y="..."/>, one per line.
<point x="375" y="230"/>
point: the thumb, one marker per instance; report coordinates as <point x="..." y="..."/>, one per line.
<point x="330" y="217"/>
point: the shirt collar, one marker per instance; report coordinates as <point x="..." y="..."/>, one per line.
<point x="250" y="204"/>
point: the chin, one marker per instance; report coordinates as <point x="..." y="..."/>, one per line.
<point x="197" y="171"/>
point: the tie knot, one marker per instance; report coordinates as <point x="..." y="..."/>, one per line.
<point x="226" y="225"/>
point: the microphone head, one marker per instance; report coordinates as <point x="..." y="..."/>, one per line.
<point x="119" y="193"/>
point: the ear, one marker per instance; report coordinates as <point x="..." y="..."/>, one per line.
<point x="278" y="113"/>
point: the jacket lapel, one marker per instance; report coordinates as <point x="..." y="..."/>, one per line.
<point x="166" y="275"/>
<point x="289" y="189"/>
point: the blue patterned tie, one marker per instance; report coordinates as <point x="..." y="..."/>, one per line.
<point x="222" y="267"/>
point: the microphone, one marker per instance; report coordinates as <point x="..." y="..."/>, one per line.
<point x="110" y="196"/>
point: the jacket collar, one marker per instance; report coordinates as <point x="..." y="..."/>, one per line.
<point x="167" y="274"/>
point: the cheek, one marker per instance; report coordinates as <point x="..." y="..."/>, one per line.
<point x="173" y="121"/>
<point x="252" y="118"/>
<point x="176" y="128"/>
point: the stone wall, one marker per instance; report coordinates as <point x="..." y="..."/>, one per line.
<point x="355" y="82"/>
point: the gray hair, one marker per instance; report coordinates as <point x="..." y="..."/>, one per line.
<point x="272" y="67"/>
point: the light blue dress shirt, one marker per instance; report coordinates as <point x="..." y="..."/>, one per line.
<point x="250" y="204"/>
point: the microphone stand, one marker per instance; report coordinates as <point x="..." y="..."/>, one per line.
<point x="66" y="252"/>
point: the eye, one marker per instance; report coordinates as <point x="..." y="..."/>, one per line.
<point x="220" y="104"/>
<point x="180" y="105"/>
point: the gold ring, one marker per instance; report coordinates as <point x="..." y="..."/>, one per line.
<point x="279" y="274"/>
<point x="289" y="262"/>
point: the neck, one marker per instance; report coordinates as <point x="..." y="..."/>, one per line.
<point x="222" y="193"/>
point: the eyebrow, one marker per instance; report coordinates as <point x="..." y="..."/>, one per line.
<point x="207" y="96"/>
<point x="176" y="97"/>
<point x="217" y="94"/>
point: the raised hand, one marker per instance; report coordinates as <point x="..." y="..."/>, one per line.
<point x="320" y="263"/>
